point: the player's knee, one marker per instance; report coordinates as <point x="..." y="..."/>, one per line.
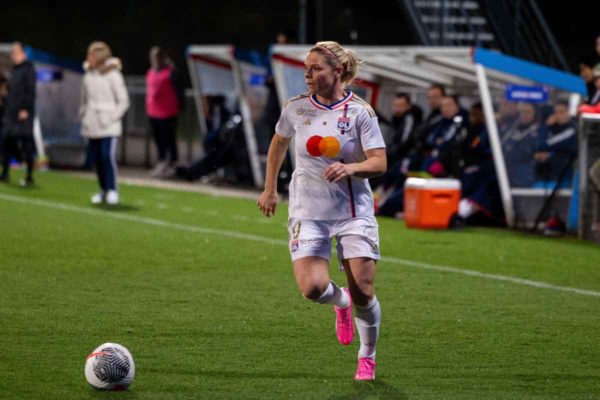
<point x="312" y="291"/>
<point x="363" y="293"/>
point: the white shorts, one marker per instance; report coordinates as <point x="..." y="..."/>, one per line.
<point x="356" y="237"/>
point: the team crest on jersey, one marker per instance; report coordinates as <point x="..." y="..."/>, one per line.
<point x="343" y="123"/>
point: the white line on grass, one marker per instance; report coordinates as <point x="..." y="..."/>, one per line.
<point x="145" y="220"/>
<point x="263" y="239"/>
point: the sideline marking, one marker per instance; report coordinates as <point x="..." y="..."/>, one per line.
<point x="263" y="239"/>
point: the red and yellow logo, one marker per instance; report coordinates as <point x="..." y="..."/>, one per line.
<point x="327" y="146"/>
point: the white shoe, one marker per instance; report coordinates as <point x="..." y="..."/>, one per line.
<point x="159" y="169"/>
<point x="112" y="197"/>
<point x="97" y="198"/>
<point x="169" y="171"/>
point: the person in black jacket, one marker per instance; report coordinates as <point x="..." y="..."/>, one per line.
<point x="404" y="124"/>
<point x="3" y="93"/>
<point x="480" y="202"/>
<point x="586" y="72"/>
<point x="406" y="120"/>
<point x="19" y="114"/>
<point x="556" y="149"/>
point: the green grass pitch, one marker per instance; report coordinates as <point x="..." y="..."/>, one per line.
<point x="200" y="289"/>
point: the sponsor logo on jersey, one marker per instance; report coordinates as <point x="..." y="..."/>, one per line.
<point x="310" y="242"/>
<point x="327" y="146"/>
<point x="306" y="112"/>
<point x="296" y="243"/>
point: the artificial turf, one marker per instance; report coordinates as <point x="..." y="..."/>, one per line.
<point x="200" y="290"/>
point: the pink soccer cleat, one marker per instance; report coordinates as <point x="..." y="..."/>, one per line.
<point x="365" y="370"/>
<point x="344" y="326"/>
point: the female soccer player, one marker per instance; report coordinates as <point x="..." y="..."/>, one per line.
<point x="338" y="145"/>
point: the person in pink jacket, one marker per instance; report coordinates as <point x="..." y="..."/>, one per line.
<point x="163" y="103"/>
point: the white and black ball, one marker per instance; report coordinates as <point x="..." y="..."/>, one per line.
<point x="110" y="367"/>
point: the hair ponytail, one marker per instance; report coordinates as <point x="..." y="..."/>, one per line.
<point x="337" y="56"/>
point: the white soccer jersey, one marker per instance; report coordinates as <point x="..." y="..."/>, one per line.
<point x="323" y="135"/>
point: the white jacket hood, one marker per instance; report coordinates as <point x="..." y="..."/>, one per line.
<point x="107" y="66"/>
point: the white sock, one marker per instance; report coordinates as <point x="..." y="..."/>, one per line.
<point x="466" y="208"/>
<point x="334" y="295"/>
<point x="368" y="319"/>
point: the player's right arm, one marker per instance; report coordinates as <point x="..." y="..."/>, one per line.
<point x="267" y="202"/>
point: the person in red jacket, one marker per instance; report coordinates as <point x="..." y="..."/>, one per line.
<point x="164" y="97"/>
<point x="593" y="105"/>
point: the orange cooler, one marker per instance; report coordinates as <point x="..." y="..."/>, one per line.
<point x="430" y="203"/>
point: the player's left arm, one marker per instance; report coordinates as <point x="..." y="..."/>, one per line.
<point x="374" y="165"/>
<point x="371" y="139"/>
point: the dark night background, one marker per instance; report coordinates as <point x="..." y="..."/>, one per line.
<point x="130" y="27"/>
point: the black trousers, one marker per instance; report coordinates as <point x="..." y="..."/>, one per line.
<point x="164" y="133"/>
<point x="20" y="147"/>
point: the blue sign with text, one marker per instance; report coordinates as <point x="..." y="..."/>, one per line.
<point x="527" y="94"/>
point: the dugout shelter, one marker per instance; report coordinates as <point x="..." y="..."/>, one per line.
<point x="240" y="76"/>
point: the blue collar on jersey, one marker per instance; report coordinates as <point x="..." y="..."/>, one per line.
<point x="331" y="106"/>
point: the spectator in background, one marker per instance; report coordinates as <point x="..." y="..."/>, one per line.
<point x="443" y="142"/>
<point x="216" y="114"/>
<point x="3" y="94"/>
<point x="19" y="114"/>
<point x="593" y="105"/>
<point x="586" y="72"/>
<point x="405" y="120"/>
<point x="519" y="145"/>
<point x="507" y="116"/>
<point x="481" y="201"/>
<point x="595" y="175"/>
<point x="438" y="155"/>
<point x="557" y="149"/>
<point x="164" y="98"/>
<point x="435" y="93"/>
<point x="225" y="145"/>
<point x="104" y="101"/>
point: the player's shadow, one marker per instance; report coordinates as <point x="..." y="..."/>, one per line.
<point x="261" y="375"/>
<point x="377" y="389"/>
<point x="106" y="394"/>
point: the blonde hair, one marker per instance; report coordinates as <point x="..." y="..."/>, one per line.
<point x="101" y="50"/>
<point x="336" y="56"/>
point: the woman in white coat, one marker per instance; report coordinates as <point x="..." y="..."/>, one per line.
<point x="104" y="101"/>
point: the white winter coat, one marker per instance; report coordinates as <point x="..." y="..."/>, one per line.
<point x="104" y="100"/>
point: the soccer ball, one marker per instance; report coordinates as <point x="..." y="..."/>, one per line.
<point x="110" y="367"/>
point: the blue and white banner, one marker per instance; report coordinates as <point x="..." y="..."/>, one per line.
<point x="527" y="94"/>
